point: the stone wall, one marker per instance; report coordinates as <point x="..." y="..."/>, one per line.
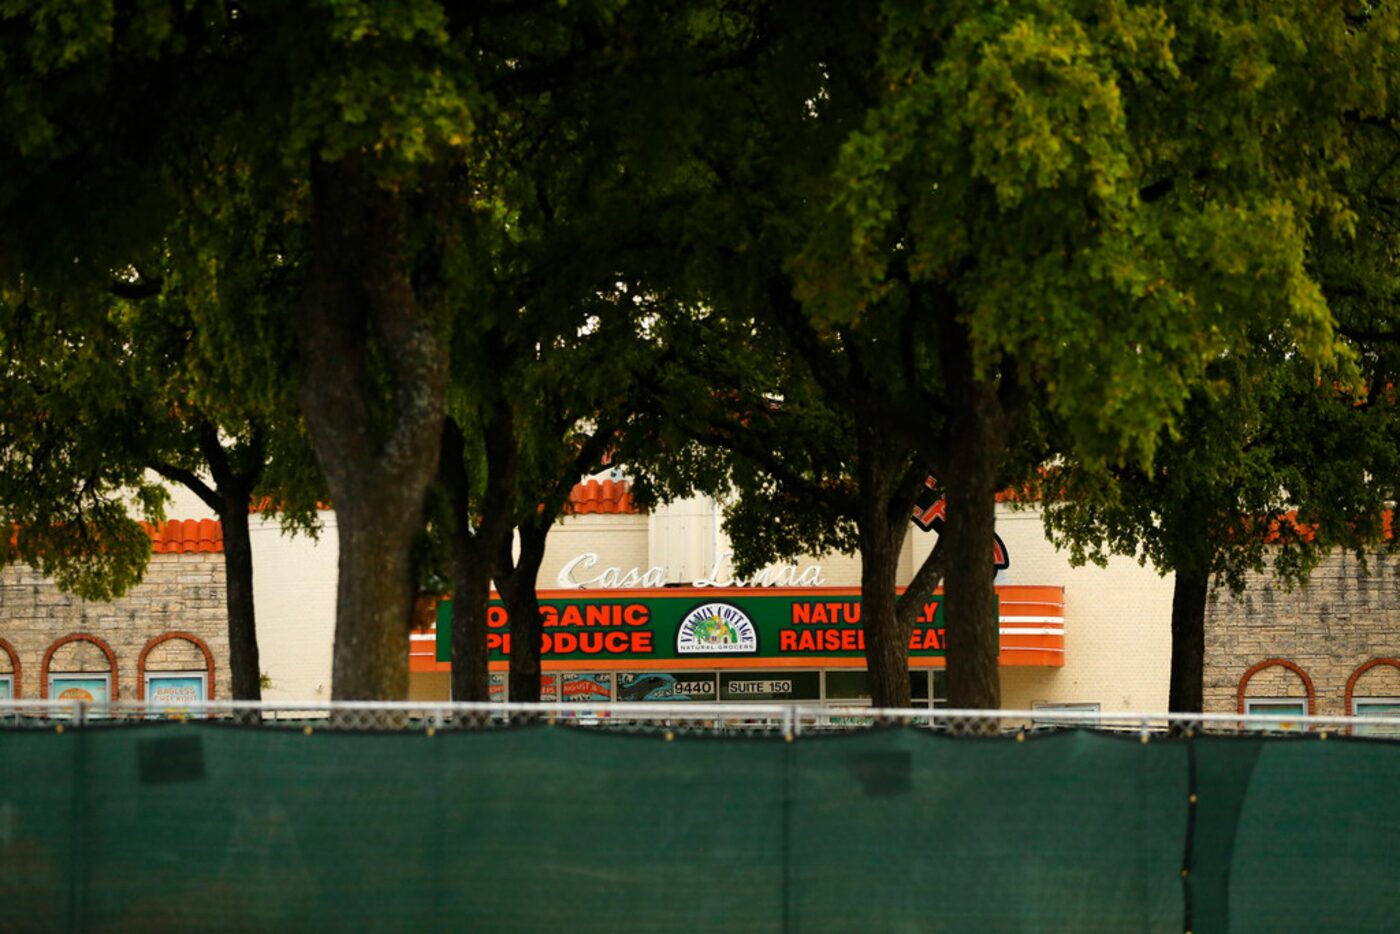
<point x="181" y="593"/>
<point x="1346" y="617"/>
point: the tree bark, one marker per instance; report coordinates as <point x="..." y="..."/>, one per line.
<point x="374" y="604"/>
<point x="231" y="498"/>
<point x="969" y="602"/>
<point x="519" y="593"/>
<point x="882" y="525"/>
<point x="471" y="598"/>
<point x="373" y="393"/>
<point x="477" y="546"/>
<point x="245" y="671"/>
<point x="886" y="640"/>
<point x="1189" y="593"/>
<point x="978" y="433"/>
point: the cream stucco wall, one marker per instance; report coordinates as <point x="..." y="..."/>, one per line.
<point x="1117" y="619"/>
<point x="1117" y="624"/>
<point x="616" y="542"/>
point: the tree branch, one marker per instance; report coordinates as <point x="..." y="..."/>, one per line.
<point x="788" y="312"/>
<point x="190" y="480"/>
<point x="921" y="588"/>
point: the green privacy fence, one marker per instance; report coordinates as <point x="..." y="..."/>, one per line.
<point x="202" y="826"/>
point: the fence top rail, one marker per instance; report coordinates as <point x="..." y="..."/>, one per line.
<point x="790" y="717"/>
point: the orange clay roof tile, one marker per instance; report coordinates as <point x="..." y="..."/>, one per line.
<point x="187" y="536"/>
<point x="190" y="536"/>
<point x="601" y="496"/>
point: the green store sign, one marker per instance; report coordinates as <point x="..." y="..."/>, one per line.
<point x="727" y="628"/>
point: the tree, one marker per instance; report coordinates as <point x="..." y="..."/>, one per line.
<point x="1273" y="463"/>
<point x="349" y="165"/>
<point x="574" y="164"/>
<point x="959" y="215"/>
<point x="123" y="381"/>
<point x="1267" y="470"/>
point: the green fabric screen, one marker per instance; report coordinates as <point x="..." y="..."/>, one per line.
<point x="189" y="826"/>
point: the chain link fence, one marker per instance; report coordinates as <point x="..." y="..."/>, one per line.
<point x="789" y="720"/>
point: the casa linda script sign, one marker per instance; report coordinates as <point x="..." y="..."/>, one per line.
<point x="694" y="625"/>
<point x="582" y="573"/>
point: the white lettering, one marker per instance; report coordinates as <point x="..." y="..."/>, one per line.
<point x="780" y="575"/>
<point x="610" y="578"/>
<point x="721" y="575"/>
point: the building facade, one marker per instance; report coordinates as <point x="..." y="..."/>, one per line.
<point x="166" y="640"/>
<point x="1082" y="638"/>
<point x="1330" y="648"/>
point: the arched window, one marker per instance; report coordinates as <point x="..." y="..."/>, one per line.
<point x="1373" y="690"/>
<point x="175" y="670"/>
<point x="9" y="672"/>
<point x="1279" y="687"/>
<point x="80" y="666"/>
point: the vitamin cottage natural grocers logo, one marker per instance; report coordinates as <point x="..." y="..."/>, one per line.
<point x="716" y="629"/>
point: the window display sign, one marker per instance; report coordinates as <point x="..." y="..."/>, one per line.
<point x="595" y="688"/>
<point x="497" y="681"/>
<point x="666" y="686"/>
<point x="91" y="689"/>
<point x="175" y="692"/>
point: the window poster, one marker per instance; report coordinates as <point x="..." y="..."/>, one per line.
<point x="652" y="686"/>
<point x="86" y="688"/>
<point x="587" y="689"/>
<point x="167" y="692"/>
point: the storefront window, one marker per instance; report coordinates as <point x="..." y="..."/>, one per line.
<point x="651" y="686"/>
<point x="586" y="688"/>
<point x="770" y="686"/>
<point x="1376" y="707"/>
<point x="1090" y="710"/>
<point x="86" y="687"/>
<point x="852" y="687"/>
<point x="1277" y="707"/>
<point x="497" y="681"/>
<point x="176" y="692"/>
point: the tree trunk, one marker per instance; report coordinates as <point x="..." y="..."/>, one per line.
<point x="1189" y="595"/>
<point x="374" y="605"/>
<point x="882" y="526"/>
<point x="245" y="672"/>
<point x="977" y="438"/>
<point x="471" y="595"/>
<point x="969" y="602"/>
<point x="373" y="393"/>
<point x="520" y="595"/>
<point x="886" y="641"/>
<point x="477" y="546"/>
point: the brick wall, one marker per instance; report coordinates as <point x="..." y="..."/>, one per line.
<point x="1344" y="618"/>
<point x="181" y="593"/>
